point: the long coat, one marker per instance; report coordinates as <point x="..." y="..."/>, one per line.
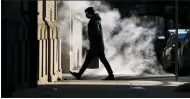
<point x="95" y="33"/>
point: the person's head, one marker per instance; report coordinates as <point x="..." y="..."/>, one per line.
<point x="89" y="12"/>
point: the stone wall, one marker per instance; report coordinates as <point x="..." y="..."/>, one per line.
<point x="49" y="42"/>
<point x="19" y="45"/>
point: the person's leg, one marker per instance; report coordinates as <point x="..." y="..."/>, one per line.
<point x="103" y="59"/>
<point x="88" y="58"/>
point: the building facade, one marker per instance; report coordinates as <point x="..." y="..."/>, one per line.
<point x="19" y="45"/>
<point x="49" y="42"/>
<point x="30" y="44"/>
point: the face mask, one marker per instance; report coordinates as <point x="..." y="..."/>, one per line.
<point x="87" y="16"/>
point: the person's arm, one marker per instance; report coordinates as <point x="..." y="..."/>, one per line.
<point x="96" y="28"/>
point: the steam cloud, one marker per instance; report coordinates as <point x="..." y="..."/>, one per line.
<point x="128" y="42"/>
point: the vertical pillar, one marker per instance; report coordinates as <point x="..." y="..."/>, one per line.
<point x="48" y="49"/>
<point x="40" y="61"/>
<point x="59" y="55"/>
<point x="55" y="56"/>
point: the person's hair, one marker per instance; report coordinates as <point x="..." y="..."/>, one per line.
<point x="90" y="10"/>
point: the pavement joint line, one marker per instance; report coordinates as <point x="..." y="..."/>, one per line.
<point x="98" y="82"/>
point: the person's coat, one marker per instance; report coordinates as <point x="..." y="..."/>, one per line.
<point x="95" y="33"/>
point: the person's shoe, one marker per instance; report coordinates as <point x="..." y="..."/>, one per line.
<point x="110" y="77"/>
<point x="76" y="75"/>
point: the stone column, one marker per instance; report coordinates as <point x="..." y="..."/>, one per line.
<point x="42" y="38"/>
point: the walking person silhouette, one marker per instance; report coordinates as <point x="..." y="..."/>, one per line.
<point x="96" y="44"/>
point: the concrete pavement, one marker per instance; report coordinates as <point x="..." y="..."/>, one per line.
<point x="138" y="88"/>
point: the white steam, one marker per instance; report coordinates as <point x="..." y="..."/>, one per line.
<point x="129" y="51"/>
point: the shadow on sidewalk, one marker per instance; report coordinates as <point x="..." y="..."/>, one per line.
<point x="102" y="91"/>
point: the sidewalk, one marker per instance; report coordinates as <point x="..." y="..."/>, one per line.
<point x="107" y="89"/>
